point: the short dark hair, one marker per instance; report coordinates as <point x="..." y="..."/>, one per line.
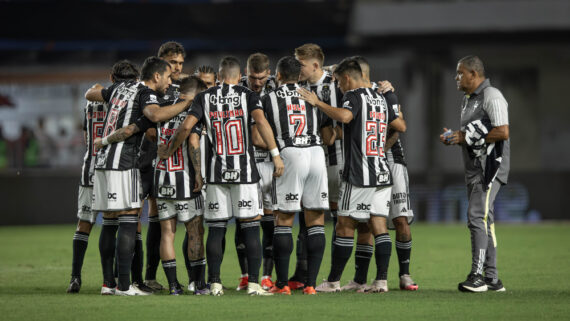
<point x="473" y="63"/>
<point x="171" y="47"/>
<point x="124" y="70"/>
<point x="229" y="67"/>
<point x="258" y="62"/>
<point x="153" y="65"/>
<point x="363" y="63"/>
<point x="289" y="68"/>
<point x="349" y="66"/>
<point x="192" y="83"/>
<point x="205" y="69"/>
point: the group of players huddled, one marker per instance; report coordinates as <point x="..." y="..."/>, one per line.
<point x="259" y="148"/>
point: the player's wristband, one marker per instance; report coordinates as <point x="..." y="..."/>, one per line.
<point x="105" y="141"/>
<point x="274" y="152"/>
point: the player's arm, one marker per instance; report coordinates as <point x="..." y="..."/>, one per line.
<point x="328" y="133"/>
<point x="156" y="114"/>
<point x="267" y="136"/>
<point x="95" y="93"/>
<point x="385" y="86"/>
<point x="256" y="138"/>
<point x="151" y="134"/>
<point x="183" y="131"/>
<point x="195" y="158"/>
<point x="116" y="136"/>
<point x="339" y="114"/>
<point x="399" y="124"/>
<point x="392" y="139"/>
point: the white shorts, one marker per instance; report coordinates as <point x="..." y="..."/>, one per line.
<point x="361" y="202"/>
<point x="117" y="190"/>
<point x="184" y="210"/>
<point x="224" y="201"/>
<point x="400" y="201"/>
<point x="334" y="173"/>
<point x="265" y="170"/>
<point x="84" y="199"/>
<point x="304" y="180"/>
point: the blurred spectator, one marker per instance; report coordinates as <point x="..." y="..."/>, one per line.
<point x="46" y="145"/>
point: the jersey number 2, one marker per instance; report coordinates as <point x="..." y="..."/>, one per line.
<point x="372" y="133"/>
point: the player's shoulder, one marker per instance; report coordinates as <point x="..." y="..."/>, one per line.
<point x="491" y="93"/>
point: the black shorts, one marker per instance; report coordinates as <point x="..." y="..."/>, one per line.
<point x="147" y="178"/>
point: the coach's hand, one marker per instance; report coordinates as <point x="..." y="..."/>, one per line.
<point x="385" y="86"/>
<point x="308" y="96"/>
<point x="162" y="151"/>
<point x="199" y="182"/>
<point x="98" y="143"/>
<point x="279" y="167"/>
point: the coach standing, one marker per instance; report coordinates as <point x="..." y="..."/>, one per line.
<point x="484" y="140"/>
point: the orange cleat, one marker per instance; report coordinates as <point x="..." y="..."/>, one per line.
<point x="309" y="290"/>
<point x="285" y="290"/>
<point x="266" y="283"/>
<point x="242" y="283"/>
<point x="296" y="285"/>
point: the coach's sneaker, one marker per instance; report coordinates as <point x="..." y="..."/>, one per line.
<point x="255" y="289"/>
<point x="154" y="285"/>
<point x="378" y="286"/>
<point x="295" y="285"/>
<point x="130" y="292"/>
<point x="474" y="283"/>
<point x="309" y="290"/>
<point x="327" y="286"/>
<point x="277" y="290"/>
<point x="266" y="282"/>
<point x="105" y="290"/>
<point x="353" y="286"/>
<point x="216" y="289"/>
<point x="192" y="286"/>
<point x="142" y="289"/>
<point x="74" y="285"/>
<point x="242" y="283"/>
<point x="497" y="286"/>
<point x="406" y="283"/>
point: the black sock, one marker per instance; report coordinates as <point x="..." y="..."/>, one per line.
<point x="138" y="260"/>
<point x="315" y="250"/>
<point x="169" y="267"/>
<point x="107" y="241"/>
<point x="267" y="225"/>
<point x="282" y="248"/>
<point x="240" y="248"/>
<point x="126" y="237"/>
<point x="250" y="233"/>
<point x="152" y="247"/>
<point x="383" y="251"/>
<point x="214" y="253"/>
<point x="186" y="258"/>
<point x="80" y="240"/>
<point x="362" y="257"/>
<point x="301" y="251"/>
<point x="199" y="273"/>
<point x="342" y="250"/>
<point x="404" y="249"/>
<point x="334" y="214"/>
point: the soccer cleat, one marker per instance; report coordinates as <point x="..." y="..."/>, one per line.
<point x="497" y="286"/>
<point x="309" y="290"/>
<point x="74" y="285"/>
<point x="216" y="289"/>
<point x="255" y="289"/>
<point x="204" y="291"/>
<point x="266" y="283"/>
<point x="105" y="290"/>
<point x="296" y="285"/>
<point x="154" y="285"/>
<point x="353" y="286"/>
<point x="406" y="283"/>
<point x="276" y="290"/>
<point x="474" y="283"/>
<point x="242" y="283"/>
<point x="192" y="286"/>
<point x="175" y="289"/>
<point x="327" y="286"/>
<point x="377" y="286"/>
<point x="142" y="289"/>
<point x="132" y="291"/>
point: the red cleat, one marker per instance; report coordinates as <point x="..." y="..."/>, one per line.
<point x="296" y="285"/>
<point x="242" y="283"/>
<point x="285" y="290"/>
<point x="309" y="290"/>
<point x="266" y="283"/>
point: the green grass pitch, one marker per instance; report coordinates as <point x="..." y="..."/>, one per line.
<point x="534" y="264"/>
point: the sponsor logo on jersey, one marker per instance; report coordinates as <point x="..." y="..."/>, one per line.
<point x="373" y="101"/>
<point x="86" y="208"/>
<point x="292" y="197"/>
<point x="213" y="206"/>
<point x="302" y="140"/>
<point x="284" y="93"/>
<point x="382" y="178"/>
<point x="363" y="207"/>
<point x="166" y="190"/>
<point x="403" y="210"/>
<point x="230" y="175"/>
<point x="244" y="203"/>
<point x="233" y="100"/>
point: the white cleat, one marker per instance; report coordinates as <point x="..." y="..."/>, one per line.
<point x="327" y="286"/>
<point x="216" y="289"/>
<point x="138" y="290"/>
<point x="255" y="289"/>
<point x="191" y="287"/>
<point x="378" y="286"/>
<point x="353" y="286"/>
<point x="406" y="283"/>
<point x="107" y="291"/>
<point x="132" y="291"/>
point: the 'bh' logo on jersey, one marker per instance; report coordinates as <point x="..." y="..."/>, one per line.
<point x="230" y="175"/>
<point x="166" y="190"/>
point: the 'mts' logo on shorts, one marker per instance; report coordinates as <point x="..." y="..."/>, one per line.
<point x="230" y="175"/>
<point x="244" y="203"/>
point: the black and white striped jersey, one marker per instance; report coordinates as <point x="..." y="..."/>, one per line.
<point x="328" y="92"/>
<point x="93" y="126"/>
<point x="126" y="101"/>
<point x="396" y="153"/>
<point x="295" y="122"/>
<point x="174" y="177"/>
<point x="364" y="138"/>
<point x="261" y="155"/>
<point x="225" y="110"/>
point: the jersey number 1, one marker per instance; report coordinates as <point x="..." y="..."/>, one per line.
<point x="232" y="131"/>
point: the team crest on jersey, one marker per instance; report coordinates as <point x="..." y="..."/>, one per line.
<point x="230" y="175"/>
<point x="166" y="190"/>
<point x="326" y="93"/>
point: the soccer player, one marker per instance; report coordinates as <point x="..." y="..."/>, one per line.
<point x="117" y="186"/>
<point x="297" y="126"/>
<point x="207" y="74"/>
<point x="366" y="177"/>
<point x="258" y="78"/>
<point x="228" y="111"/>
<point x="178" y="189"/>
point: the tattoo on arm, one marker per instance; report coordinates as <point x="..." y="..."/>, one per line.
<point x="177" y="139"/>
<point x="123" y="133"/>
<point x="195" y="157"/>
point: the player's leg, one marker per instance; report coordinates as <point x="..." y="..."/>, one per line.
<point x="282" y="249"/>
<point x="379" y="213"/>
<point x="297" y="281"/>
<point x="138" y="262"/>
<point x="315" y="247"/>
<point x="152" y="245"/>
<point x="107" y="241"/>
<point x="267" y="222"/>
<point x="491" y="274"/>
<point x="362" y="256"/>
<point x="167" y="253"/>
<point x="333" y="173"/>
<point x="195" y="234"/>
<point x="241" y="255"/>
